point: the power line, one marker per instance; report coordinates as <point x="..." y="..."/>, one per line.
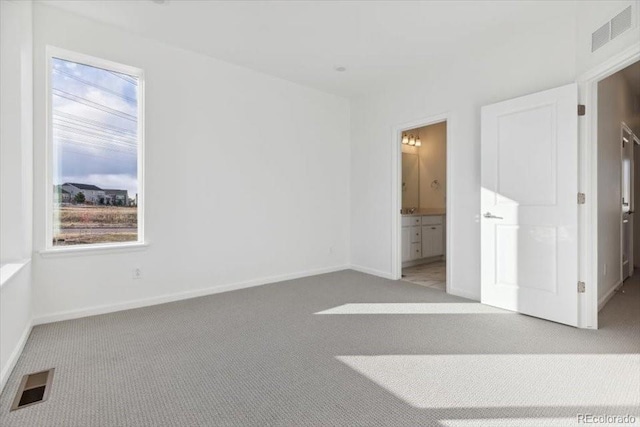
<point x="106" y="131"/>
<point x="89" y="103"/>
<point x="83" y="132"/>
<point x="95" y="123"/>
<point x="86" y="82"/>
<point x="93" y="138"/>
<point x="84" y="144"/>
<point x="62" y="121"/>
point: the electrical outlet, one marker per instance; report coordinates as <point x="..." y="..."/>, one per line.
<point x="137" y="273"/>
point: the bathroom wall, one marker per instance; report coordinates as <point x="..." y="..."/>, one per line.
<point x="432" y="157"/>
<point x="410" y="180"/>
<point x="433" y="166"/>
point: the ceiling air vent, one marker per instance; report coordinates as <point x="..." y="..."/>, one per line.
<point x="621" y="23"/>
<point x="600" y="37"/>
<point x="612" y="29"/>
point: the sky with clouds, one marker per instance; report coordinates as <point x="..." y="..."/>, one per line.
<point x="94" y="126"/>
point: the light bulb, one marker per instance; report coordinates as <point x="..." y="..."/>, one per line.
<point x="405" y="139"/>
<point x="412" y="140"/>
<point x="418" y="142"/>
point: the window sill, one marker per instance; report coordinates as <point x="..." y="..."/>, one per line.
<point x="10" y="269"/>
<point x="94" y="249"/>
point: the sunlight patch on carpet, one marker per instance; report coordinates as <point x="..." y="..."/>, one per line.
<point x="504" y="380"/>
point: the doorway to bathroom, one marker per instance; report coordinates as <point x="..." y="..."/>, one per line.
<point x="423" y="194"/>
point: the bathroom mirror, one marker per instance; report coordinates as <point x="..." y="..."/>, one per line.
<point x="410" y="181"/>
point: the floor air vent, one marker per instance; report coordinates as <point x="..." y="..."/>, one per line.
<point x="34" y="388"/>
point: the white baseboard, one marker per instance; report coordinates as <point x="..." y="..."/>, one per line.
<point x="372" y="271"/>
<point x="103" y="309"/>
<point x="610" y="293"/>
<point x="15" y="355"/>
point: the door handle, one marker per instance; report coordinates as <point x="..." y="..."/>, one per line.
<point x="491" y="216"/>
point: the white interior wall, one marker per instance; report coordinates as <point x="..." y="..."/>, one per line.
<point x="433" y="166"/>
<point x="615" y="105"/>
<point x="247" y="178"/>
<point x="15" y="180"/>
<point x="518" y="65"/>
<point x="16" y="129"/>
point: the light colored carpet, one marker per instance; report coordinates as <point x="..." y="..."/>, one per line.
<point x="340" y="349"/>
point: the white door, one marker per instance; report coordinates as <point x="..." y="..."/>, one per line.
<point x="529" y="218"/>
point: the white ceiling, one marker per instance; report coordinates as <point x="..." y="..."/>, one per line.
<point x="378" y="42"/>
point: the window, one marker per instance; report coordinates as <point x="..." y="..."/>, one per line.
<point x="95" y="151"/>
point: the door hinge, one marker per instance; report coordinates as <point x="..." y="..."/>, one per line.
<point x="582" y="110"/>
<point x="582" y="198"/>
<point x="581" y="287"/>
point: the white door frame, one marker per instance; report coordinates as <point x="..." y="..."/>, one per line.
<point x="396" y="193"/>
<point x="588" y="181"/>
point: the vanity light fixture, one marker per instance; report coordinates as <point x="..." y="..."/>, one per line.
<point x="411" y="140"/>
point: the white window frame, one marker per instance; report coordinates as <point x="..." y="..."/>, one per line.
<point x="67" y="55"/>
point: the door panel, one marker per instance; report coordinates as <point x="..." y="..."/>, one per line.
<point x="415" y="234"/>
<point x="528" y="179"/>
<point x="432" y="241"/>
<point x="517" y="245"/>
<point x="406" y="244"/>
<point x="529" y="209"/>
<point x="416" y="251"/>
<point x="437" y="240"/>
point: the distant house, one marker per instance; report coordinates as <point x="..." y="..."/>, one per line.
<point x="117" y="197"/>
<point x="92" y="194"/>
<point x="60" y="195"/>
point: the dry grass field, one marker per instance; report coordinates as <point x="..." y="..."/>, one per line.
<point x="95" y="224"/>
<point x="97" y="216"/>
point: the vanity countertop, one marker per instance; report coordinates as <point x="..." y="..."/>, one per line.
<point x="427" y="212"/>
